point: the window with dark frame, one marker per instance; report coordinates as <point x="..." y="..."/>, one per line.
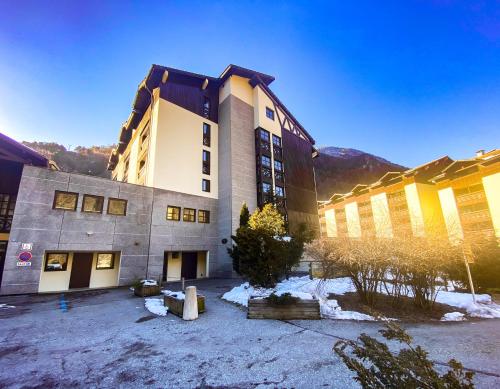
<point x="65" y="200"/>
<point x="279" y="191"/>
<point x="265" y="160"/>
<point x="92" y="204"/>
<point x="266" y="188"/>
<point x="105" y="261"/>
<point x="206" y="134"/>
<point x="264" y="135"/>
<point x="276" y="140"/>
<point x="278" y="166"/>
<point x="269" y="113"/>
<point x="205" y="185"/>
<point x="189" y="215"/>
<point x="173" y="213"/>
<point x="117" y="207"/>
<point x="206" y="106"/>
<point x="203" y="216"/>
<point x="56" y="262"/>
<point x="206" y="162"/>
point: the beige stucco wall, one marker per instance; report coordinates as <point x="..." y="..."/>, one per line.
<point x="431" y="209"/>
<point x="491" y="186"/>
<point x="381" y="215"/>
<point x="239" y="87"/>
<point x="56" y="281"/>
<point x="176" y="162"/>
<point x="201" y="268"/>
<point x="174" y="267"/>
<point x="451" y="215"/>
<point x="331" y="223"/>
<point x="352" y="217"/>
<point x="415" y="210"/>
<point x="260" y="102"/>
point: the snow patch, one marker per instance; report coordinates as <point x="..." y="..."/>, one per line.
<point x="453" y="316"/>
<point x="6" y="306"/>
<point x="149" y="283"/>
<point x="178" y="295"/>
<point x="155" y="306"/>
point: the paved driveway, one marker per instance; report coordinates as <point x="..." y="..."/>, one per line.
<point x="108" y="339"/>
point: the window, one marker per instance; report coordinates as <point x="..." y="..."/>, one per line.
<point x="56" y="262"/>
<point x="264" y="135"/>
<point x="205" y="185"/>
<point x="105" y="261"/>
<point x="206" y="162"/>
<point x="278" y="166"/>
<point x="276" y="141"/>
<point x="206" y="134"/>
<point x="92" y="203"/>
<point x="265" y="160"/>
<point x="189" y="215"/>
<point x="206" y="106"/>
<point x="266" y="188"/>
<point x="203" y="216"/>
<point x="279" y="192"/>
<point x="173" y="213"/>
<point x="269" y="113"/>
<point x="142" y="168"/>
<point x="65" y="200"/>
<point x="7" y="205"/>
<point x="117" y="207"/>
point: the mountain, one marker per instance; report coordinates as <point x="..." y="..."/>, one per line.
<point x="86" y="160"/>
<point x="339" y="169"/>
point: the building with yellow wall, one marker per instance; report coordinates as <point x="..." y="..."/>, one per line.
<point x="459" y="198"/>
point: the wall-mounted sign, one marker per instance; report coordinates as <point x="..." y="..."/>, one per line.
<point x="26" y="246"/>
<point x="24" y="258"/>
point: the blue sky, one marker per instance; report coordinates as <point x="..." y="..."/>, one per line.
<point x="407" y="80"/>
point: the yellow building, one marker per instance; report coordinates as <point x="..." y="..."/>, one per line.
<point x="399" y="203"/>
<point x="469" y="192"/>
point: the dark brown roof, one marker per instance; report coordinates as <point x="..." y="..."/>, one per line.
<point x="246" y="73"/>
<point x="14" y="151"/>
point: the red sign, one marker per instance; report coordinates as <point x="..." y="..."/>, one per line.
<point x="25" y="256"/>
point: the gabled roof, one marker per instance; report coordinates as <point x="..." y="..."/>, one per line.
<point x="12" y="150"/>
<point x="246" y="73"/>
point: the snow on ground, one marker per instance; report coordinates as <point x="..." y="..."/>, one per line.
<point x="155" y="306"/>
<point x="305" y="288"/>
<point x="453" y="316"/>
<point x="6" y="306"/>
<point x="149" y="283"/>
<point x="178" y="295"/>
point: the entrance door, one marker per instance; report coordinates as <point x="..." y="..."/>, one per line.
<point x="3" y="252"/>
<point x="80" y="270"/>
<point x="189" y="264"/>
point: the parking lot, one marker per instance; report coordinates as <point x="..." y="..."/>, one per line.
<point x="107" y="339"/>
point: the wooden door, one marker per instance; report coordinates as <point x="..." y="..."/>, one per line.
<point x="80" y="270"/>
<point x="189" y="265"/>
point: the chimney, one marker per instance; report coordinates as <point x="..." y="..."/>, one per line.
<point x="479" y="153"/>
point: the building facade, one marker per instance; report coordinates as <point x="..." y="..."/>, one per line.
<point x="193" y="150"/>
<point x="460" y="199"/>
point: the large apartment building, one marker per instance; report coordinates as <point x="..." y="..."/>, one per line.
<point x="192" y="151"/>
<point x="458" y="198"/>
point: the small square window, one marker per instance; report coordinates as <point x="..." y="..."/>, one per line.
<point x="276" y="141"/>
<point x="205" y="185"/>
<point x="56" y="262"/>
<point x="203" y="216"/>
<point x="266" y="161"/>
<point x="92" y="204"/>
<point x="117" y="207"/>
<point x="266" y="188"/>
<point x="269" y="113"/>
<point x="105" y="261"/>
<point x="189" y="215"/>
<point x="173" y="213"/>
<point x="65" y="200"/>
<point x="264" y="135"/>
<point x="279" y="191"/>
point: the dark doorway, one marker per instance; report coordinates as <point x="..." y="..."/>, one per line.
<point x="165" y="266"/>
<point x="3" y="252"/>
<point x="80" y="270"/>
<point x="189" y="265"/>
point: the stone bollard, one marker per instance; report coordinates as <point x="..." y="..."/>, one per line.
<point x="190" y="311"/>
